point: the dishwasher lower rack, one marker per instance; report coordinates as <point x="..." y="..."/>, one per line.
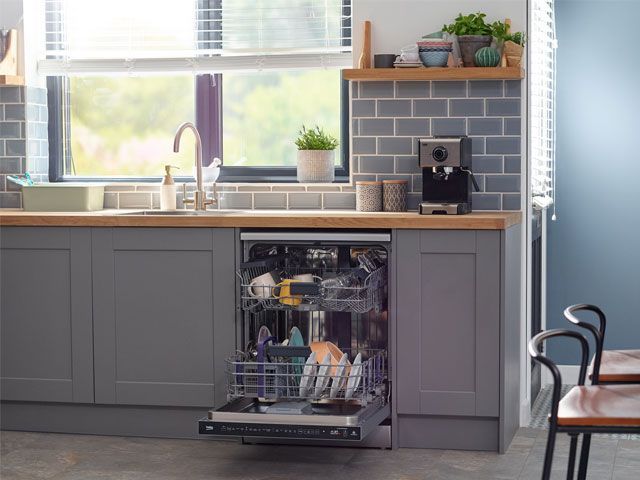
<point x="368" y="295"/>
<point x="290" y="379"/>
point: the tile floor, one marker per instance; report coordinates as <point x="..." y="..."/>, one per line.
<point x="87" y="457"/>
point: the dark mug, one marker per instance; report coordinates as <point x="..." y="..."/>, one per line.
<point x="384" y="60"/>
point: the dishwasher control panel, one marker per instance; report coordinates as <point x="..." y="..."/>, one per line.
<point x="310" y="432"/>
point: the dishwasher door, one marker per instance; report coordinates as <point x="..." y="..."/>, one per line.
<point x="247" y="417"/>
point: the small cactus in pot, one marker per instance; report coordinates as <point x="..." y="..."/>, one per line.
<point x="316" y="156"/>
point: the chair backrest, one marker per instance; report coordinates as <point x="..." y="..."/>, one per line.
<point x="597" y="332"/>
<point x="535" y="345"/>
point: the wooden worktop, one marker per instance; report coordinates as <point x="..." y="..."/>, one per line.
<point x="266" y="219"/>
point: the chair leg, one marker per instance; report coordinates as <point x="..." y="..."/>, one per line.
<point x="584" y="456"/>
<point x="572" y="456"/>
<point x="548" y="454"/>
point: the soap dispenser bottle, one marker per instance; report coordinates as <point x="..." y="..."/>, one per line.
<point x="168" y="190"/>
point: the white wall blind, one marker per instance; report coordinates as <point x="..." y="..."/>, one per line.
<point x="542" y="73"/>
<point x="110" y="36"/>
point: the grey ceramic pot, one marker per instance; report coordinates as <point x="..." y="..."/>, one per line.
<point x="469" y="45"/>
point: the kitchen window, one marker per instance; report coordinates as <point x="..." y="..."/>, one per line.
<point x="248" y="73"/>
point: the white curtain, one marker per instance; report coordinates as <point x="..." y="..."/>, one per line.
<point x="542" y="74"/>
<point x="111" y="36"/>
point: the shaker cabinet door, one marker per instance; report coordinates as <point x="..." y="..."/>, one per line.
<point x="156" y="294"/>
<point x="45" y="314"/>
<point x="448" y="322"/>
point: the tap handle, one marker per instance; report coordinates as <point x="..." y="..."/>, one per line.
<point x="185" y="200"/>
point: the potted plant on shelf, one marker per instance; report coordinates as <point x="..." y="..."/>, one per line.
<point x="316" y="155"/>
<point x="512" y="44"/>
<point x="472" y="32"/>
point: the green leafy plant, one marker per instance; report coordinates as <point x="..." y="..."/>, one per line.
<point x="472" y="24"/>
<point x="315" y="139"/>
<point x="500" y="31"/>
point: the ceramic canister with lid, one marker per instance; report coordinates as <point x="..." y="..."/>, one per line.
<point x="369" y="196"/>
<point x="394" y="193"/>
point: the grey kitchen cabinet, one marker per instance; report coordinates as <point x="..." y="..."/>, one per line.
<point x="45" y="314"/>
<point x="156" y="294"/>
<point x="457" y="337"/>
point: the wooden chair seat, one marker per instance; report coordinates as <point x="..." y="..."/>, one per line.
<point x="601" y="405"/>
<point x="619" y="366"/>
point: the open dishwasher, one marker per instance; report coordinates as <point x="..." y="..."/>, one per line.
<point x="312" y="340"/>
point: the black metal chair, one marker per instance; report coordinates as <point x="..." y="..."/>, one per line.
<point x="614" y="366"/>
<point x="584" y="409"/>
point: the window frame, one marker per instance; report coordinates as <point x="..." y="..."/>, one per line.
<point x="209" y="121"/>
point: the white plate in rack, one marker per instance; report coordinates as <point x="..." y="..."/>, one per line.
<point x="339" y="377"/>
<point x="308" y="375"/>
<point x="323" y="375"/>
<point x="354" y="377"/>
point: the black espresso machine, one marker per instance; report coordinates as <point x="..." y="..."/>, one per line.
<point x="446" y="175"/>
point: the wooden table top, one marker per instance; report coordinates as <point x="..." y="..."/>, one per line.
<point x="347" y="219"/>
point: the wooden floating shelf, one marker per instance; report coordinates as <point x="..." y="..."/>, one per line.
<point x="11" y="80"/>
<point x="445" y="73"/>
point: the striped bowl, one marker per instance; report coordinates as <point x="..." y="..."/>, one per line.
<point x="434" y="59"/>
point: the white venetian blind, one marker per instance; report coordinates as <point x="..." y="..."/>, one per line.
<point x="111" y="36"/>
<point x="542" y="73"/>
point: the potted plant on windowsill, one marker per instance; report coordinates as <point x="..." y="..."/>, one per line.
<point x="473" y="34"/>
<point x="316" y="156"/>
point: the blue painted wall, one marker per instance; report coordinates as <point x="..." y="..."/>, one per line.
<point x="594" y="246"/>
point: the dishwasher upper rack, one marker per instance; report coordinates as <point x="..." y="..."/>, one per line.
<point x="280" y="379"/>
<point x="367" y="296"/>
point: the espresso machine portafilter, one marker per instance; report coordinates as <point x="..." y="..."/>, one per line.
<point x="447" y="178"/>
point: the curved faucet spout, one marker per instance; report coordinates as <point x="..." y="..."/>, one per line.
<point x="200" y="201"/>
<point x="178" y="135"/>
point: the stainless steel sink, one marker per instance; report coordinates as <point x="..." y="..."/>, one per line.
<point x="181" y="213"/>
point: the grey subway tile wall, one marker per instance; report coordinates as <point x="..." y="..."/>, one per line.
<point x="376" y="89"/>
<point x="134" y="200"/>
<point x="512" y="164"/>
<point x="466" y="108"/>
<point x="486" y="88"/>
<point x="511" y="201"/>
<point x="339" y="201"/>
<point x="394" y="145"/>
<point x="449" y="89"/>
<point x="430" y="108"/>
<point x="301" y="201"/>
<point x="489" y="111"/>
<point x="484" y="126"/>
<point x="413" y="89"/>
<point x="413" y="126"/>
<point x="376" y="126"/>
<point x="394" y="108"/>
<point x="270" y="201"/>
<point x="23" y="139"/>
<point x="236" y="200"/>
